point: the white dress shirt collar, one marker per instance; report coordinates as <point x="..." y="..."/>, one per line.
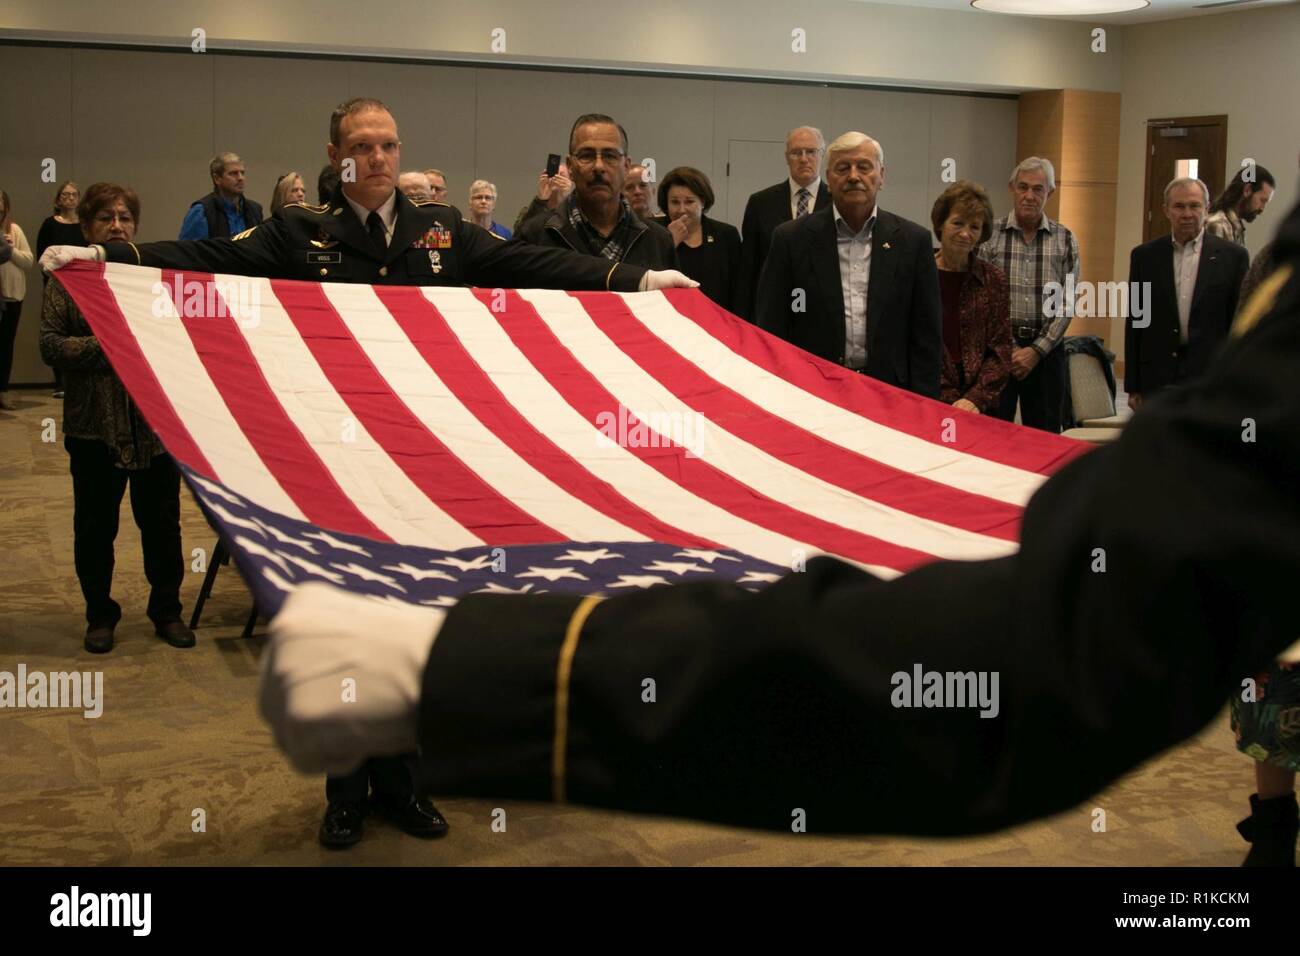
<point x="387" y="212"/>
<point x="869" y="224"/>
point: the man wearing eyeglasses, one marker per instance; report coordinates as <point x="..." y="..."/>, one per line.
<point x="596" y="219"/>
<point x="801" y="193"/>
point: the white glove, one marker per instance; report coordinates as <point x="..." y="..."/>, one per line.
<point x="342" y="675"/>
<point x="56" y="257"/>
<point x="666" y="279"/>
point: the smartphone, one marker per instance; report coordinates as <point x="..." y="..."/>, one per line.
<point x="552" y="164"/>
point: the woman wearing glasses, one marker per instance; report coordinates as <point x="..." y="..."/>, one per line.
<point x="110" y="447"/>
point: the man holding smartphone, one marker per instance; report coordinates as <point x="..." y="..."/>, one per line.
<point x="597" y="219"/>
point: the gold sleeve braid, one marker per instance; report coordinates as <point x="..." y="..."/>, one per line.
<point x="563" y="672"/>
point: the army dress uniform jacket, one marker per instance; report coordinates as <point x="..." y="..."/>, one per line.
<point x="431" y="245"/>
<point x="782" y="700"/>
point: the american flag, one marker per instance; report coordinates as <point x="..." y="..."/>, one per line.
<point x="420" y="443"/>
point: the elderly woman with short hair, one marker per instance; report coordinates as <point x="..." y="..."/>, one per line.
<point x="707" y="250"/>
<point x="482" y="204"/>
<point x="110" y="447"/>
<point x="976" y="310"/>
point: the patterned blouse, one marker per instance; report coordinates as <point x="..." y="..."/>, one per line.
<point x="95" y="404"/>
<point x="985" y="359"/>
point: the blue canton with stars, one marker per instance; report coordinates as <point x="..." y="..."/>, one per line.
<point x="276" y="553"/>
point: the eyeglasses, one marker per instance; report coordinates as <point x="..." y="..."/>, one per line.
<point x="107" y="218"/>
<point x="586" y="158"/>
<point x="805" y="151"/>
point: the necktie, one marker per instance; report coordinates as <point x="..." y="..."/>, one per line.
<point x="378" y="234"/>
<point x="801" y="207"/>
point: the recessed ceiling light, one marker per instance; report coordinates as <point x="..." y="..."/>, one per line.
<point x="1059" y="8"/>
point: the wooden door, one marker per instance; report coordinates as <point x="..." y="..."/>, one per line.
<point x="1175" y="147"/>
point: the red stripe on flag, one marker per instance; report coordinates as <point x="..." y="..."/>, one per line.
<point x="793" y="445"/>
<point x="431" y="466"/>
<point x="1026" y="448"/>
<point x="284" y="451"/>
<point x="438" y="344"/>
<point x="585" y="394"/>
<point x="89" y="287"/>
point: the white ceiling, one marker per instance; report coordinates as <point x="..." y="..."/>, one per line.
<point x="1158" y="10"/>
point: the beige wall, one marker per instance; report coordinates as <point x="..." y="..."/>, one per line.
<point x="1245" y="65"/>
<point x="846" y="39"/>
<point x="154" y="119"/>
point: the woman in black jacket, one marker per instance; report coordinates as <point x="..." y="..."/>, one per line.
<point x="707" y="250"/>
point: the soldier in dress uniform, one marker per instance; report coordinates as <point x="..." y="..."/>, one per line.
<point x="371" y="233"/>
<point x="1136" y="604"/>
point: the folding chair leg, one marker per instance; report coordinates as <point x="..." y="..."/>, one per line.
<point x="220" y="556"/>
<point x="251" y="623"/>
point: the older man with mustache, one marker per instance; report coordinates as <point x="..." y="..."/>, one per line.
<point x="597" y="219"/>
<point x="855" y="284"/>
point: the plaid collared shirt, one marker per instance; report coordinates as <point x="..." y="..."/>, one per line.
<point x="1029" y="266"/>
<point x="1226" y="225"/>
<point x="615" y="245"/>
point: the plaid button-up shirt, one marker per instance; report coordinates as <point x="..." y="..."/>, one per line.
<point x="611" y="247"/>
<point x="1029" y="266"/>
<point x="1226" y="224"/>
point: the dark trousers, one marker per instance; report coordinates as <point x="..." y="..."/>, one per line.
<point x="97" y="488"/>
<point x="9" y="312"/>
<point x="1041" y="394"/>
<point x="390" y="776"/>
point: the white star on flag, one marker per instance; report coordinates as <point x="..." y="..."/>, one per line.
<point x="326" y="538"/>
<point x="366" y="574"/>
<point x="553" y="574"/>
<point x="638" y="581"/>
<point x="591" y="557"/>
<point x="494" y="588"/>
<point x="283" y="538"/>
<point x="477" y="564"/>
<point x="253" y="547"/>
<point x="676" y="567"/>
<point x="758" y="577"/>
<point x="312" y="567"/>
<point x="235" y="520"/>
<point x="699" y="555"/>
<point x="418" y="574"/>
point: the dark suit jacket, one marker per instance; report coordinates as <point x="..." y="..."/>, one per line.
<point x="431" y="245"/>
<point x="1150" y="362"/>
<point x="985" y="358"/>
<point x="904" y="317"/>
<point x="766" y="210"/>
<point x="781" y="699"/>
<point x="715" y="265"/>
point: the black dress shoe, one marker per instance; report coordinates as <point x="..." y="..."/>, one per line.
<point x="175" y="633"/>
<point x="99" y="638"/>
<point x="414" y="815"/>
<point x="342" y="825"/>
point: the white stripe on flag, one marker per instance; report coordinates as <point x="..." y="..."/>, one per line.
<point x="170" y="352"/>
<point x="636" y="390"/>
<point x="377" y="487"/>
<point x="847" y="429"/>
<point x="537" y="401"/>
<point x="433" y="403"/>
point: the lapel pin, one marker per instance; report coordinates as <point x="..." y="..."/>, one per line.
<point x="884" y="245"/>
